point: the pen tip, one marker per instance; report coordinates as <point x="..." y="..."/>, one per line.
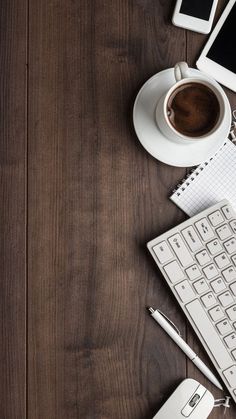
<point x="151" y="310"/>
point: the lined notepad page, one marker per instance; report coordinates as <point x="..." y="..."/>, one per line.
<point x="211" y="182"/>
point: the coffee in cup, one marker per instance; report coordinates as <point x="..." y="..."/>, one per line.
<point x="193" y="109"/>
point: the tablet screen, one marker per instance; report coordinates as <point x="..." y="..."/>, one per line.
<point x="222" y="50"/>
<point x="197" y="8"/>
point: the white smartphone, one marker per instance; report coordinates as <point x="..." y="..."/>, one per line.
<point x="196" y="15"/>
<point x="218" y="58"/>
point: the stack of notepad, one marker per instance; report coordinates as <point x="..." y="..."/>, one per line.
<point x="211" y="182"/>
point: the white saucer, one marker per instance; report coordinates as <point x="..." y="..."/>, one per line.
<point x="152" y="139"/>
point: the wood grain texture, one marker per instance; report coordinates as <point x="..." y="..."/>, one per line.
<point x="95" y="198"/>
<point x="84" y="197"/>
<point x="13" y="29"/>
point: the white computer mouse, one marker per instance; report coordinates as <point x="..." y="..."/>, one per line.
<point x="190" y="400"/>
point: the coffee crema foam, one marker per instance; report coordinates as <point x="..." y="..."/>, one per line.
<point x="193" y="109"/>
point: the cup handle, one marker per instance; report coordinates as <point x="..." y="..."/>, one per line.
<point x="181" y="71"/>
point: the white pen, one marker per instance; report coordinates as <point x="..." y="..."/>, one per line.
<point x="160" y="319"/>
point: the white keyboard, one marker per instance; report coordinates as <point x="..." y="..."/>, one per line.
<point x="198" y="260"/>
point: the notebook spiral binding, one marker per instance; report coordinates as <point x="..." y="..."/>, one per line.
<point x="232" y="133"/>
<point x="185" y="182"/>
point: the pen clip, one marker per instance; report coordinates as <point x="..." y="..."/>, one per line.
<point x="170" y="321"/>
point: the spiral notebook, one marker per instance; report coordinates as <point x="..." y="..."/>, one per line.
<point x="209" y="183"/>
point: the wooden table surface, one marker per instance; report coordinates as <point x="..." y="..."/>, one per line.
<point x="80" y="198"/>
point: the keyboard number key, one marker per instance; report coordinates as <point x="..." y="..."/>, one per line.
<point x="208" y="300"/>
<point x="185" y="291"/>
<point x="222" y="260"/>
<point x="201" y="286"/>
<point x="174" y="272"/>
<point x="193" y="272"/>
<point x="214" y="247"/>
<point x="216" y="313"/>
<point x="162" y="252"/>
<point x="230" y="375"/>
<point x="224" y="232"/>
<point x="227" y="211"/>
<point x="229" y="274"/>
<point x="230" y="340"/>
<point x="233" y="225"/>
<point x="226" y="299"/>
<point x="216" y="218"/>
<point x="230" y="245"/>
<point x="224" y="327"/>
<point x="204" y="229"/>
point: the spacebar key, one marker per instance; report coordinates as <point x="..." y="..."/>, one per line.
<point x="209" y="334"/>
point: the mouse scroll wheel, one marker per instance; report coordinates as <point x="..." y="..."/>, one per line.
<point x="194" y="400"/>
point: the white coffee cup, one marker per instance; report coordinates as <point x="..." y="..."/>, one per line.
<point x="183" y="76"/>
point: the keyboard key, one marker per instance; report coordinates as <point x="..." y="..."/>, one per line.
<point x="193" y="272"/>
<point x="208" y="300"/>
<point x="224" y="327"/>
<point x="228" y="213"/>
<point x="234" y="259"/>
<point x="216" y="313"/>
<point x="201" y="286"/>
<point x="210" y="271"/>
<point x="203" y="257"/>
<point x="216" y="218"/>
<point x="230" y="375"/>
<point x="231" y="313"/>
<point x="234" y="353"/>
<point x="204" y="229"/>
<point x="174" y="272"/>
<point x="233" y="288"/>
<point x="226" y="299"/>
<point x="163" y="252"/>
<point x="192" y="238"/>
<point x="180" y="250"/>
<point x="206" y="330"/>
<point x="229" y="274"/>
<point x="224" y="232"/>
<point x="233" y="225"/>
<point x="222" y="260"/>
<point x="231" y="340"/>
<point x="185" y="291"/>
<point x="230" y="245"/>
<point x="214" y="247"/>
<point x="218" y="285"/>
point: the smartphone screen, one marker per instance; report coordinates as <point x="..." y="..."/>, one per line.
<point x="197" y="8"/>
<point x="222" y="51"/>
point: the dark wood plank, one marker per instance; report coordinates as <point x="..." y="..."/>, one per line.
<point x="13" y="29"/>
<point x="95" y="199"/>
<point x="195" y="43"/>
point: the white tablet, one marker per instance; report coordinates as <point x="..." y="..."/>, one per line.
<point x="196" y="15"/>
<point x="218" y="58"/>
